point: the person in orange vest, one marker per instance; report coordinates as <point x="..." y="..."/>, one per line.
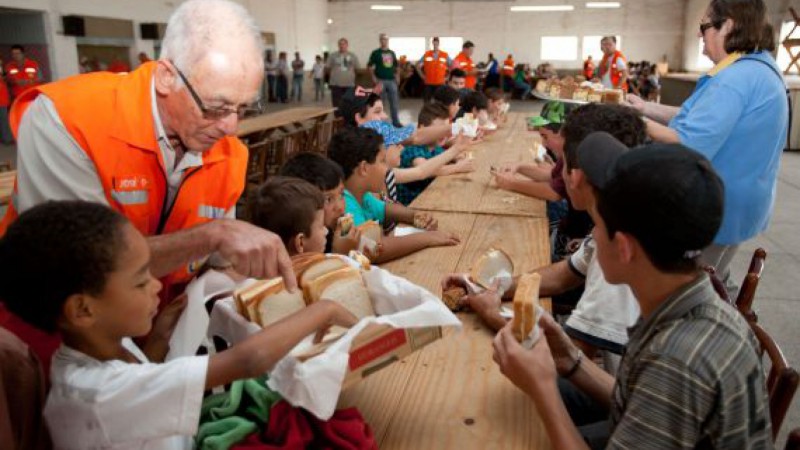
<point x="588" y="68"/>
<point x="434" y="64"/>
<point x="119" y="66"/>
<point x="159" y="146"/>
<point x="22" y="73"/>
<point x="5" y="100"/>
<point x="613" y="69"/>
<point x="508" y="73"/>
<point x="464" y="62"/>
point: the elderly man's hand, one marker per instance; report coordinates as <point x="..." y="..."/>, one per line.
<point x="253" y="251"/>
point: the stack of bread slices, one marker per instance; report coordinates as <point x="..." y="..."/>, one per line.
<point x="319" y="277"/>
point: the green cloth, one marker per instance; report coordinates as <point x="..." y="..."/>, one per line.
<point x="228" y="418"/>
<point x="385" y="63"/>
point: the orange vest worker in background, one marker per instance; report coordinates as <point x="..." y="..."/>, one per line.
<point x="434" y="64"/>
<point x="613" y="64"/>
<point x="464" y="62"/>
<point x="22" y="73"/>
<point x="508" y="67"/>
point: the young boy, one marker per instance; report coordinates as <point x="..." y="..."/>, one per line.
<point x="475" y="103"/>
<point x="327" y="176"/>
<point x="432" y="114"/>
<point x="360" y="153"/>
<point x="450" y="98"/>
<point x="497" y="102"/>
<point x="294" y="210"/>
<point x="99" y="293"/>
<point x="691" y="376"/>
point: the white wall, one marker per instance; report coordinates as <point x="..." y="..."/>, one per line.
<point x="649" y="28"/>
<point x="298" y="25"/>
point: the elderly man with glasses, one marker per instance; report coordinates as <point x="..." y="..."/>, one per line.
<point x="159" y="145"/>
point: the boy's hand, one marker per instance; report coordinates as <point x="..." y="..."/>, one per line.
<point x="338" y="315"/>
<point x="503" y="180"/>
<point x="461" y="142"/>
<point x="441" y="239"/>
<point x="342" y="245"/>
<point x="530" y="370"/>
<point x="464" y="166"/>
<point x="425" y="221"/>
<point x="165" y="321"/>
<point x="562" y="349"/>
<point x="487" y="302"/>
<point x="508" y="168"/>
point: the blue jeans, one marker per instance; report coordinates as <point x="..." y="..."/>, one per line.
<point x="391" y="98"/>
<point x="525" y="87"/>
<point x="319" y="91"/>
<point x="297" y="87"/>
<point x="281" y="88"/>
<point x="5" y="131"/>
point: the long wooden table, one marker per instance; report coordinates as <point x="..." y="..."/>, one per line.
<point x="283" y="120"/>
<point x="6" y="186"/>
<point x="450" y="394"/>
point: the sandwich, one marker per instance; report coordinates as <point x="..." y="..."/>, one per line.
<point x="452" y="298"/>
<point x="317" y="269"/>
<point x="361" y="259"/>
<point x="268" y="301"/>
<point x="344" y="286"/>
<point x="491" y="265"/>
<point x="526" y="302"/>
<point x="345" y="224"/>
<point x="420" y="220"/>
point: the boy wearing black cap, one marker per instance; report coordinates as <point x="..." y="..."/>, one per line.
<point x="691" y="376"/>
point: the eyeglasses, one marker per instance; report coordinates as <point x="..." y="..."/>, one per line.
<point x="210" y="113"/>
<point x="705" y="26"/>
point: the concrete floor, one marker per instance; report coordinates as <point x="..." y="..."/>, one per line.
<point x="777" y="300"/>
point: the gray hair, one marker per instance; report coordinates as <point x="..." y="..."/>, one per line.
<point x="196" y="25"/>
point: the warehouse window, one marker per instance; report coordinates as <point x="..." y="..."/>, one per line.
<point x="559" y="48"/>
<point x="411" y="47"/>
<point x="451" y="45"/>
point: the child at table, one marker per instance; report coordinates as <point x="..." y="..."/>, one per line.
<point x="477" y="104"/>
<point x="328" y="177"/>
<point x="98" y="293"/>
<point x="362" y="157"/>
<point x="496" y="105"/>
<point x="293" y="209"/>
<point x="449" y="97"/>
<point x="432" y="114"/>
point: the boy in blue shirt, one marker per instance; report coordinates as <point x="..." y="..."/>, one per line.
<point x="362" y="157"/>
<point x="432" y="114"/>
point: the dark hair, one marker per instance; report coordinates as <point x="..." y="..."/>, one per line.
<point x="474" y="99"/>
<point x="350" y="146"/>
<point x="351" y="104"/>
<point x="468" y="44"/>
<point x="18" y="47"/>
<point x="435" y="38"/>
<point x="622" y="122"/>
<point x="286" y="206"/>
<point x="431" y="112"/>
<point x="457" y="73"/>
<point x="495" y="94"/>
<point x="55" y="250"/>
<point x="609" y="38"/>
<point x="751" y="30"/>
<point x="446" y="95"/>
<point x="314" y="168"/>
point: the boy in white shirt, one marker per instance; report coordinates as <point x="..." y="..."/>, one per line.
<point x="98" y="294"/>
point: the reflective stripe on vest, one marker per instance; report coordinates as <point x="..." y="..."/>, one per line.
<point x="131" y="197"/>
<point x="13" y="71"/>
<point x="210" y="212"/>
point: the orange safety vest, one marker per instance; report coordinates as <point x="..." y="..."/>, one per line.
<point x="28" y="71"/>
<point x="508" y="67"/>
<point x="110" y="117"/>
<point x="616" y="74"/>
<point x="588" y="69"/>
<point x="435" y="69"/>
<point x="465" y="63"/>
<point x="5" y="98"/>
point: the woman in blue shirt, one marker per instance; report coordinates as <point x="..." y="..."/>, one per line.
<point x="737" y="117"/>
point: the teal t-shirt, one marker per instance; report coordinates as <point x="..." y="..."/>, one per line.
<point x="385" y="63"/>
<point x="371" y="209"/>
<point x="407" y="192"/>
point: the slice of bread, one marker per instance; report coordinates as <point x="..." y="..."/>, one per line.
<point x="371" y="231"/>
<point x="489" y="265"/>
<point x="344" y="286"/>
<point x="316" y="270"/>
<point x="345" y="223"/>
<point x="526" y="301"/>
<point x="276" y="302"/>
<point x="244" y="297"/>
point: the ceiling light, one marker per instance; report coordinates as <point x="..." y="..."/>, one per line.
<point x="545" y="8"/>
<point x="603" y="4"/>
<point x="386" y="8"/>
<point x="330" y="21"/>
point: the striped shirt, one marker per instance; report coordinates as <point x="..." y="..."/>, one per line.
<point x="390" y="197"/>
<point x="691" y="377"/>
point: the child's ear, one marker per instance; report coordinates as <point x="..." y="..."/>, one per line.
<point x="79" y="311"/>
<point x="362" y="168"/>
<point x="298" y="243"/>
<point x="626" y="247"/>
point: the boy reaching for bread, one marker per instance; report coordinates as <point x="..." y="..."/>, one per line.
<point x="362" y="157"/>
<point x="98" y="295"/>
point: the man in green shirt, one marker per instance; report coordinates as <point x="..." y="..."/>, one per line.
<point x="383" y="66"/>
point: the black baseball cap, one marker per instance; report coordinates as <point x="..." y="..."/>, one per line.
<point x="667" y="196"/>
<point x="353" y="101"/>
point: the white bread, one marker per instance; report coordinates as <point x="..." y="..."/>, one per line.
<point x="244" y="296"/>
<point x="276" y="302"/>
<point x="526" y="301"/>
<point x="346" y="287"/>
<point x="370" y="231"/>
<point x="316" y="270"/>
<point x="489" y="265"/>
<point x="345" y="223"/>
<point x="303" y="261"/>
<point x="361" y="259"/>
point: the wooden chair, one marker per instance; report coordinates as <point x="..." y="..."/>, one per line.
<point x="719" y="286"/>
<point x="782" y="379"/>
<point x="747" y="293"/>
<point x="793" y="441"/>
<point x="790" y="43"/>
